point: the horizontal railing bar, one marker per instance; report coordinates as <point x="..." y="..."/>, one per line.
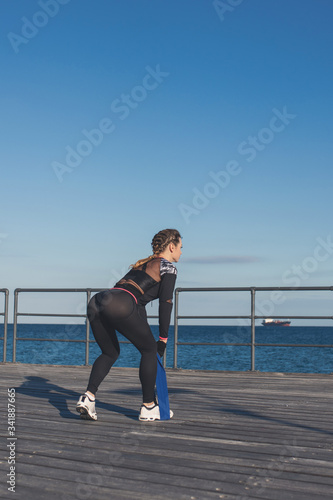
<point x="50" y="340"/>
<point x="185" y="343"/>
<point x="293" y="288"/>
<point x="61" y="315"/>
<point x="294" y="345"/>
<point x="214" y="317"/>
<point x="56" y="290"/>
<point x="258" y="289"/>
<point x="213" y="289"/>
<point x="203" y="289"/>
<point x="53" y="315"/>
<point x="256" y="317"/>
<point x="213" y="343"/>
<point x="256" y="345"/>
<point x="67" y="340"/>
<point x="296" y="317"/>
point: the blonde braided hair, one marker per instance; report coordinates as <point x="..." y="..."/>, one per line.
<point x="159" y="243"/>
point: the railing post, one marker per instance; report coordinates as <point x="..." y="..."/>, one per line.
<point x="5" y="324"/>
<point x="16" y="292"/>
<point x="87" y="329"/>
<point x="175" y="345"/>
<point x="253" y="329"/>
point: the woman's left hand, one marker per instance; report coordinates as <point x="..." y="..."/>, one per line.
<point x="161" y="346"/>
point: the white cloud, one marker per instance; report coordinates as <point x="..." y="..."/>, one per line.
<point x="221" y="259"/>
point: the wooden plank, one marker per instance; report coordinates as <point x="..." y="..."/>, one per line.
<point x="235" y="435"/>
<point x="192" y="465"/>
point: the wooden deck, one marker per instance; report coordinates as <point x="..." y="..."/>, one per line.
<point x="234" y="436"/>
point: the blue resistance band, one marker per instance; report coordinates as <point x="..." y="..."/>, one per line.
<point x="162" y="391"/>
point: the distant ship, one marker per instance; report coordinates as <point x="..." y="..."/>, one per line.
<point x="275" y="322"/>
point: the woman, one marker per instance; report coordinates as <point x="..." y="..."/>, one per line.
<point x="123" y="309"/>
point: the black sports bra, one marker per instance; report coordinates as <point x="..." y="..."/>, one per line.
<point x="137" y="281"/>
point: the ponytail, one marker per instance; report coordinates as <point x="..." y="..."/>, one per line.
<point x="140" y="262"/>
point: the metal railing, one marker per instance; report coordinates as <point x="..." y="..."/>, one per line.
<point x="5" y="322"/>
<point x="87" y="341"/>
<point x="252" y="317"/>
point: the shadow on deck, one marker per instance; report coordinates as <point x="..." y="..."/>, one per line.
<point x="235" y="435"/>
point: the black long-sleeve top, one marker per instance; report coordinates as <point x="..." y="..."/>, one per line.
<point x="154" y="280"/>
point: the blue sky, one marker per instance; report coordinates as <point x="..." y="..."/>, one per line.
<point x="182" y="93"/>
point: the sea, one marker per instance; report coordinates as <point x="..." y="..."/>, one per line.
<point x="192" y="357"/>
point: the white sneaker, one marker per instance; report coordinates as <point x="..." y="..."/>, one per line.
<point x="86" y="407"/>
<point x="151" y="414"/>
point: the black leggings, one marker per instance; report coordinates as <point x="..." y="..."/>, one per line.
<point x="113" y="310"/>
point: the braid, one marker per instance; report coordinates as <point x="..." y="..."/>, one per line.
<point x="159" y="243"/>
<point x="162" y="239"/>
